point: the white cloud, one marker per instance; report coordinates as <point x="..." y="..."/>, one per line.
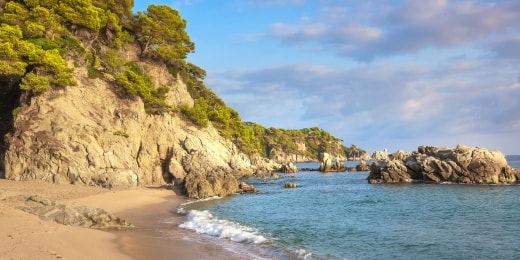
<point x="344" y="27"/>
<point x="379" y="101"/>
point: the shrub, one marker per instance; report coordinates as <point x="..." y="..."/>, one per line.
<point x="121" y="133"/>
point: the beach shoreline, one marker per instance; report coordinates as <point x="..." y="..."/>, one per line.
<point x="152" y="210"/>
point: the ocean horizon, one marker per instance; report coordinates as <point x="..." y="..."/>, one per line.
<point x="341" y="216"/>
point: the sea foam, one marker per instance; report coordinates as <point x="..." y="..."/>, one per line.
<point x="204" y="222"/>
<point x="182" y="208"/>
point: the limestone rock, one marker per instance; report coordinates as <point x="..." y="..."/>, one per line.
<point x="434" y="164"/>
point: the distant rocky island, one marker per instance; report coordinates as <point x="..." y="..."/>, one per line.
<point x="463" y="164"/>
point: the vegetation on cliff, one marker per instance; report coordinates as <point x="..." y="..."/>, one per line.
<point x="41" y="41"/>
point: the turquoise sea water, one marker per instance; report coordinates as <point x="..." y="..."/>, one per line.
<point x="341" y="216"/>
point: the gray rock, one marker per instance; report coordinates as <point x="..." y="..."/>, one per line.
<point x="434" y="164"/>
<point x="330" y="164"/>
<point x="289" y="168"/>
<point x="79" y="216"/>
<point x="290" y="185"/>
<point x="247" y="188"/>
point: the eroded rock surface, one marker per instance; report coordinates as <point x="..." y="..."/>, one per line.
<point x="434" y="164"/>
<point x="77" y="216"/>
<point x="329" y="163"/>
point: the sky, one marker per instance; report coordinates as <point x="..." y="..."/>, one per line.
<point x="378" y="74"/>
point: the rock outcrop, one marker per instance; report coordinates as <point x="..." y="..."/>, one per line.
<point x="362" y="166"/>
<point x="433" y="164"/>
<point x="380" y="155"/>
<point x="289" y="185"/>
<point x="330" y="164"/>
<point x="93" y="135"/>
<point x="289" y="168"/>
<point x="247" y="188"/>
<point x="78" y="216"/>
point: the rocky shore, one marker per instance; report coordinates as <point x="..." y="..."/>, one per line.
<point x="462" y="164"/>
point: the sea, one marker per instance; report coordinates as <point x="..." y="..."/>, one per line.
<point x="341" y="216"/>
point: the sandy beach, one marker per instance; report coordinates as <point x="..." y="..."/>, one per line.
<point x="151" y="210"/>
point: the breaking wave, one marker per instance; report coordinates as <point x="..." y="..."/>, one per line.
<point x="203" y="222"/>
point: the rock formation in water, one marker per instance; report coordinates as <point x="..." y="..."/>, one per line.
<point x="289" y="168"/>
<point x="362" y="166"/>
<point x="328" y="163"/>
<point x="380" y="155"/>
<point x="290" y="185"/>
<point x="433" y="164"/>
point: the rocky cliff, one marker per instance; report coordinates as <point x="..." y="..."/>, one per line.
<point x="433" y="164"/>
<point x="91" y="134"/>
<point x="95" y="94"/>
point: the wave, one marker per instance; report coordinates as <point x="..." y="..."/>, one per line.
<point x="203" y="222"/>
<point x="302" y="254"/>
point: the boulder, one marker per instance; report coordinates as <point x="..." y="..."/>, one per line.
<point x="288" y="168"/>
<point x="325" y="162"/>
<point x="290" y="185"/>
<point x="247" y="188"/>
<point x="78" y="216"/>
<point x="330" y="164"/>
<point x="362" y="166"/>
<point x="436" y="164"/>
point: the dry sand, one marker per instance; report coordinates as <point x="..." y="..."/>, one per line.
<point x="151" y="210"/>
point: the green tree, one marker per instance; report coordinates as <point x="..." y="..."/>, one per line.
<point x="161" y="34"/>
<point x="38" y="68"/>
<point x="83" y="13"/>
<point x="118" y="15"/>
<point x="44" y="23"/>
<point x="14" y="13"/>
<point x="138" y="83"/>
<point x="10" y="63"/>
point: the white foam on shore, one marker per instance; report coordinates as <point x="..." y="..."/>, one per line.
<point x="302" y="254"/>
<point x="181" y="209"/>
<point x="204" y="222"/>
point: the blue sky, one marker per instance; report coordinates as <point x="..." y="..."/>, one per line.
<point x="378" y="74"/>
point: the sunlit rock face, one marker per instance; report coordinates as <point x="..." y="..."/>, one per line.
<point x="434" y="164"/>
<point x="91" y="135"/>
